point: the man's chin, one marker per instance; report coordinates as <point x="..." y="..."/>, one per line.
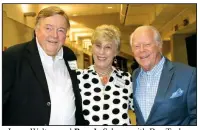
<point x="145" y="67"/>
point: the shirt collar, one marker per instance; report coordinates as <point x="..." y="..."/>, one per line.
<point x="46" y="57"/>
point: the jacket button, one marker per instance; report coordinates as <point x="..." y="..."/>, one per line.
<point x="48" y="103"/>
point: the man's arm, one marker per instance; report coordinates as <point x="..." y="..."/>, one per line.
<point x="8" y="78"/>
<point x="8" y="74"/>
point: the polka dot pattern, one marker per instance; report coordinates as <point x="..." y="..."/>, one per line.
<point x="111" y="79"/>
<point x="97" y="90"/>
<point x="96" y="108"/>
<point x="125" y="97"/>
<point x="127" y="82"/>
<point x="87" y="93"/>
<point x="106" y="97"/>
<point x="78" y="72"/>
<point x="97" y="98"/>
<point x="95" y="81"/>
<point x="116" y="101"/>
<point x="86" y="112"/>
<point x="116" y="93"/>
<point x="125" y="90"/>
<point x="95" y="118"/>
<point x="86" y="76"/>
<point x="105" y="105"/>
<point x="105" y="116"/>
<point x="87" y="85"/>
<point x="86" y="102"/>
<point x="115" y="111"/>
<point x="108" y="88"/>
<point x="124" y="116"/>
<point x="124" y="106"/>
<point x="115" y="121"/>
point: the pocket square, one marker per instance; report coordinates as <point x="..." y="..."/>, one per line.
<point x="178" y="93"/>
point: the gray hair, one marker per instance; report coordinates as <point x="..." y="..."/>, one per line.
<point x="51" y="11"/>
<point x="157" y="36"/>
<point x="107" y="33"/>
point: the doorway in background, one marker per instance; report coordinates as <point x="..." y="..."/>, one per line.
<point x="191" y="46"/>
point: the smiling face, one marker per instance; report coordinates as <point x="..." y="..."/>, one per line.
<point x="51" y="33"/>
<point x="103" y="54"/>
<point x="146" y="50"/>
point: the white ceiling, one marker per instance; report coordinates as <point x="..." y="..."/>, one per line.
<point x="86" y="9"/>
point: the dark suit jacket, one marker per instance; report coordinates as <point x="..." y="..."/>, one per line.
<point x="180" y="110"/>
<point x="26" y="99"/>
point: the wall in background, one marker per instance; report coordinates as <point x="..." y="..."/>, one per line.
<point x="15" y="32"/>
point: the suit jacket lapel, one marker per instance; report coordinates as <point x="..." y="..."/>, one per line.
<point x="166" y="76"/>
<point x="35" y="62"/>
<point x="78" y="101"/>
<point x="72" y="73"/>
<point x="135" y="76"/>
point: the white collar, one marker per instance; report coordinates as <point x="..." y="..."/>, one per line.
<point x="46" y="57"/>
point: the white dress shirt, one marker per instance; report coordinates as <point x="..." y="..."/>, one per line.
<point x="60" y="89"/>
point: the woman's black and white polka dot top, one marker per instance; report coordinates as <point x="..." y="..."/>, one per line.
<point x="109" y="104"/>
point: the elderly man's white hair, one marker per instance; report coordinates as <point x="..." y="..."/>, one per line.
<point x="157" y="35"/>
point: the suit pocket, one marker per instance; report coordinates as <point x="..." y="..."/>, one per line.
<point x="173" y="101"/>
<point x="171" y="107"/>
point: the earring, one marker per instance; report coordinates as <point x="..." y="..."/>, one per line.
<point x="115" y="60"/>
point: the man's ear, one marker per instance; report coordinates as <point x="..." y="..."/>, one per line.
<point x="36" y="28"/>
<point x="132" y="53"/>
<point x="160" y="47"/>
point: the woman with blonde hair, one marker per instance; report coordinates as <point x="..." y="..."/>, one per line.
<point x="106" y="91"/>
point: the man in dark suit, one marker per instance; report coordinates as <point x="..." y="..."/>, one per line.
<point x="164" y="91"/>
<point x="39" y="80"/>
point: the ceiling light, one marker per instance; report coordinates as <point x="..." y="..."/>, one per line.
<point x="109" y="7"/>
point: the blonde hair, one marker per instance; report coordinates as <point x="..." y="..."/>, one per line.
<point x="51" y="11"/>
<point x="108" y="33"/>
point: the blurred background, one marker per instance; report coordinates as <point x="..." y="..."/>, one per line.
<point x="176" y="23"/>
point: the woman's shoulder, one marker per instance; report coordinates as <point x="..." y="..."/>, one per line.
<point x="83" y="71"/>
<point x="123" y="73"/>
